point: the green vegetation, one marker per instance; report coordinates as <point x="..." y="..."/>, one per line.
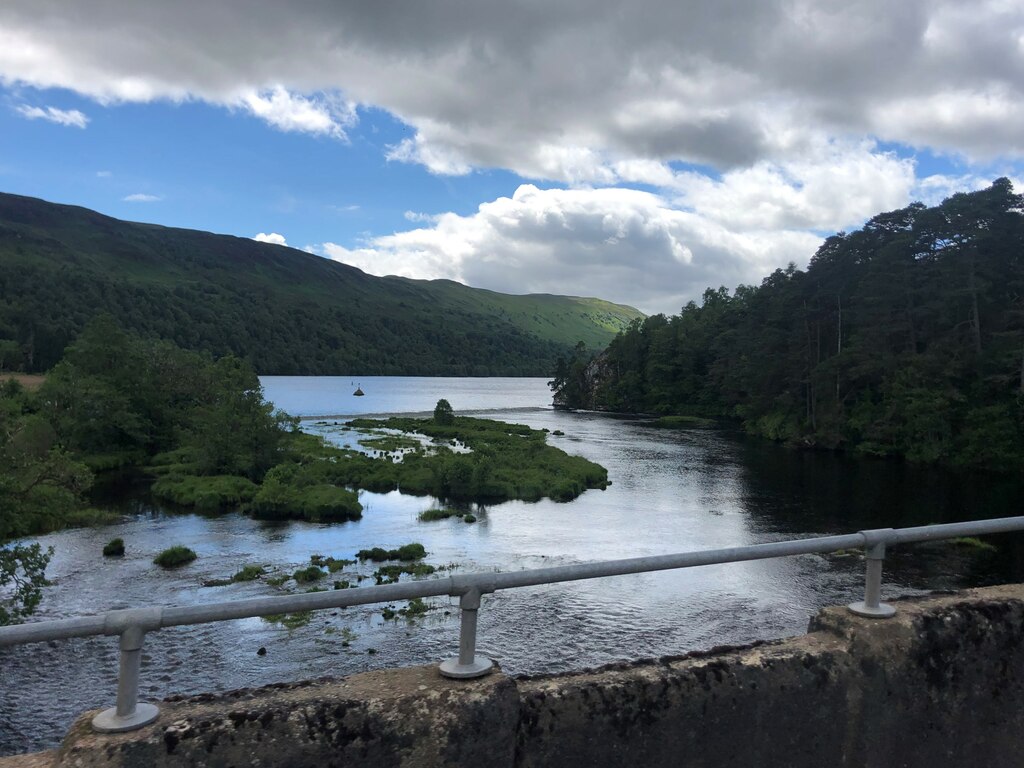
<point x="290" y="621"/>
<point x="248" y="573"/>
<point x="405" y="553"/>
<point x="306" y="492"/>
<point x="283" y="310"/>
<point x="174" y="556"/>
<point x="333" y="565"/>
<point x="308" y="574"/>
<point x="904" y="338"/>
<point x="443" y="514"/>
<point x="444" y="416"/>
<point x="388" y="574"/>
<point x="505" y="461"/>
<point x="390" y="443"/>
<point x="22" y="578"/>
<point x="971" y="542"/>
<point x="206" y="494"/>
<point x="113" y="548"/>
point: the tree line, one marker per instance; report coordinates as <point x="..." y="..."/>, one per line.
<point x="903" y="338"/>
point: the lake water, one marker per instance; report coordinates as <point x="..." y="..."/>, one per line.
<point x="671" y="492"/>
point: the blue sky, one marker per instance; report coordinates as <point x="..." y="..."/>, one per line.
<point x="574" y="149"/>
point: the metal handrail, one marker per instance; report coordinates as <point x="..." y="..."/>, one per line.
<point x="132" y="624"/>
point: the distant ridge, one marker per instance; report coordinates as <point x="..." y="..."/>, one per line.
<point x="287" y="311"/>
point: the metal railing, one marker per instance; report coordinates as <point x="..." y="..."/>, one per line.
<point x="132" y="625"/>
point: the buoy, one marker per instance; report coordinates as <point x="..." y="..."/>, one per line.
<point x="358" y="393"/>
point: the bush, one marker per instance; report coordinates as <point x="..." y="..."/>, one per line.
<point x="174" y="556"/>
<point x="470" y="518"/>
<point x="113" y="548"/>
<point x="437" y="514"/>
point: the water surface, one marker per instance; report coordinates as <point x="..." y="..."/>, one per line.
<point x="671" y="492"/>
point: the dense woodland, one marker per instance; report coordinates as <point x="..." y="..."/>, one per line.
<point x="282" y="310"/>
<point x="903" y="338"/>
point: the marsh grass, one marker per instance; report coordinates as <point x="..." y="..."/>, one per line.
<point x="174" y="556"/>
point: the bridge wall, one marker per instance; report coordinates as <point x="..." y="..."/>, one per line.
<point x="941" y="684"/>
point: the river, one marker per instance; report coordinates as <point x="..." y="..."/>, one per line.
<point x="672" y="491"/>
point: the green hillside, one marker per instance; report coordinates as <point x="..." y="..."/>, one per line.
<point x="285" y="310"/>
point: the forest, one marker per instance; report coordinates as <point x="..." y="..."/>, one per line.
<point x="282" y="310"/>
<point x="903" y="338"/>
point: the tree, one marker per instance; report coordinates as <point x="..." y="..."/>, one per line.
<point x="22" y="566"/>
<point x="443" y="413"/>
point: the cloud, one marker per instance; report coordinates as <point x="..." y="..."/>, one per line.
<point x="141" y="197"/>
<point x="571" y="92"/>
<point x="69" y="117"/>
<point x="290" y="112"/>
<point x="272" y="237"/>
<point x="103" y="174"/>
<point x="624" y="244"/>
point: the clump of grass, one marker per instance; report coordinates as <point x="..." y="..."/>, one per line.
<point x="174" y="556"/>
<point x="332" y="564"/>
<point x="390" y="443"/>
<point x="470" y="518"/>
<point x="113" y="548"/>
<point x="438" y="514"/>
<point x="290" y="621"/>
<point x="308" y="575"/>
<point x="207" y="494"/>
<point x="415" y="607"/>
<point x="405" y="553"/>
<point x="249" y="573"/>
<point x="388" y="574"/>
<point x="974" y="543"/>
<point x="277" y="581"/>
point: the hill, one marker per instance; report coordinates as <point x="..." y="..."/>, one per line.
<point x="285" y="310"/>
<point x="904" y="338"/>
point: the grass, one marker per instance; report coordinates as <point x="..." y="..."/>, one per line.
<point x="113" y="548"/>
<point x="390" y="443"/>
<point x="308" y="575"/>
<point x="174" y="556"/>
<point x="974" y="543"/>
<point x="215" y="493"/>
<point x="389" y="574"/>
<point x="505" y="461"/>
<point x="438" y="514"/>
<point x="405" y="553"/>
<point x="333" y="565"/>
<point x="290" y="621"/>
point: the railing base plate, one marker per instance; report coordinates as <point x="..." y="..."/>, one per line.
<point x="882" y="611"/>
<point x="108" y="720"/>
<point x="481" y="666"/>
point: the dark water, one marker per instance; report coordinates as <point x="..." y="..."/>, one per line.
<point x="671" y="492"/>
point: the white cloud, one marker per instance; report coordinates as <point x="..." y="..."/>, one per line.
<point x="103" y="174"/>
<point x="69" y="117"/>
<point x="271" y="237"/>
<point x="290" y="112"/>
<point x="623" y="244"/>
<point x="141" y="197"/>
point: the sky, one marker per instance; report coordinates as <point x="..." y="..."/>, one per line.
<point x="635" y="152"/>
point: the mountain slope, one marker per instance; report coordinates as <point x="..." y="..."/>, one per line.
<point x="286" y="310"/>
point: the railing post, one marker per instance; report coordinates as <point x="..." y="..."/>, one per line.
<point x="129" y="713"/>
<point x="467" y="664"/>
<point x="874" y="551"/>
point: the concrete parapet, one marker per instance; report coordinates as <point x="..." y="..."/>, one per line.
<point x="940" y="684"/>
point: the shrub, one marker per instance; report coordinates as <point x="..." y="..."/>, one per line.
<point x="114" y="548"/>
<point x="470" y="518"/>
<point x="174" y="556"/>
<point x="405" y="553"/>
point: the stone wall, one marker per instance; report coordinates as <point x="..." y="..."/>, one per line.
<point x="940" y="684"/>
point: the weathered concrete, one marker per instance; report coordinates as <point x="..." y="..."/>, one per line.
<point x="941" y="684"/>
<point x="400" y="717"/>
